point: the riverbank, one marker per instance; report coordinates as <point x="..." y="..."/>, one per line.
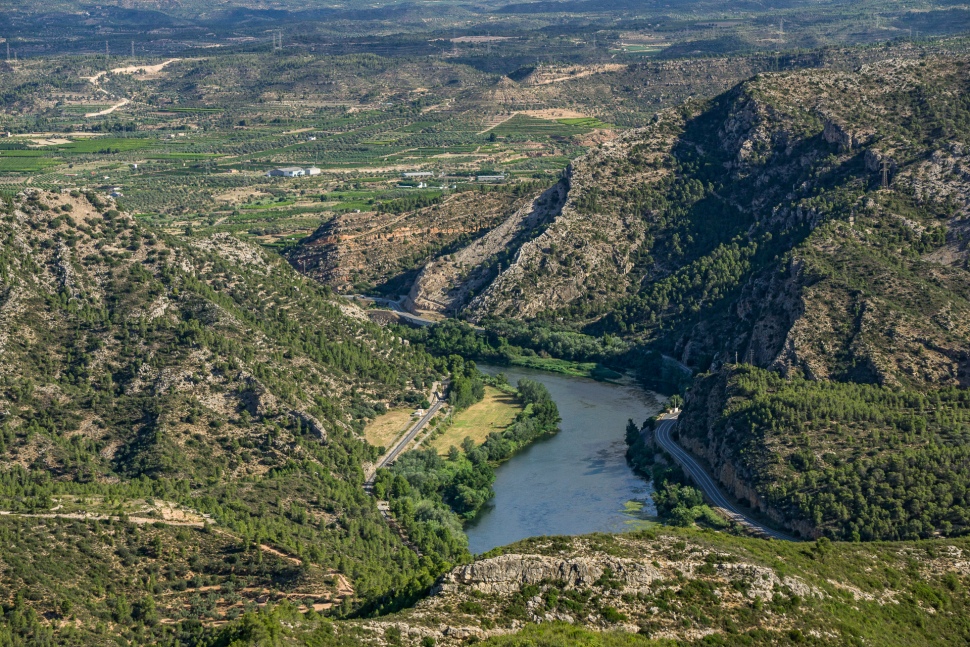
<point x="577" y="481"/>
<point x="592" y="370"/>
<point x="432" y="496"/>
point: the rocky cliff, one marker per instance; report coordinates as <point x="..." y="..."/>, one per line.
<point x="447" y="283"/>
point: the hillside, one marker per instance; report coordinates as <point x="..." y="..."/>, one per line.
<point x="674" y="222"/>
<point x="377" y="250"/>
<point x="754" y="229"/>
<point x="667" y="586"/>
<point x="151" y="386"/>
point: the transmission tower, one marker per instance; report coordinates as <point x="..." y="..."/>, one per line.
<point x="107" y="54"/>
<point x="133" y="49"/>
<point x="885" y="175"/>
<point x="8" y="51"/>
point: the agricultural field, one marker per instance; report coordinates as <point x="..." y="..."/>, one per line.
<point x="495" y="412"/>
<point x="204" y="167"/>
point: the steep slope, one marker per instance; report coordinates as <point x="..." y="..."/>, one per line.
<point x="368" y="250"/>
<point x="198" y="380"/>
<point x="670" y="228"/>
<point x="446" y="283"/>
<point x="756" y="229"/>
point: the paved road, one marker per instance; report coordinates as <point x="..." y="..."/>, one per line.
<point x="404" y="442"/>
<point x="395" y="307"/>
<point x="703" y="480"/>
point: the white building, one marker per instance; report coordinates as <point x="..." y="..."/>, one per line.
<point x="414" y="174"/>
<point x="313" y="170"/>
<point x="288" y="171"/>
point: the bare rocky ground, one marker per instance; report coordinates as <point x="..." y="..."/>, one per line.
<point x="447" y="283"/>
<point x="372" y="248"/>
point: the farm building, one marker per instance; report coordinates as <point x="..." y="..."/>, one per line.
<point x="491" y="178"/>
<point x="414" y="174"/>
<point x="288" y="171"/>
<point x="293" y="171"/>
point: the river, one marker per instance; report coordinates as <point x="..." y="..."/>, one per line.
<point x="577" y="481"/>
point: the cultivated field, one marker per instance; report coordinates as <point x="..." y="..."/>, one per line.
<point x="494" y="413"/>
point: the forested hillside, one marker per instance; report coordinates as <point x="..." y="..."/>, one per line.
<point x="847" y="460"/>
<point x="812" y="224"/>
<point x="740" y="206"/>
<point x="148" y="381"/>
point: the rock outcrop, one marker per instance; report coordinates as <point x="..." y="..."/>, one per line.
<point x="507" y="574"/>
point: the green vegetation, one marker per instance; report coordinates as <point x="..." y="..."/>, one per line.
<point x="106" y="145"/>
<point x="585" y="122"/>
<point x="18" y="162"/>
<point x="556" y="634"/>
<point x="166" y="372"/>
<point x="855" y="461"/>
<point x="255" y="436"/>
<point x="524" y="126"/>
<point x="133" y="577"/>
<point x="431" y="495"/>
<point x="677" y="501"/>
<point x="496" y="411"/>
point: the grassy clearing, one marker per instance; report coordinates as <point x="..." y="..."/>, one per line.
<point x="267" y="205"/>
<point x="495" y="412"/>
<point x="191" y="110"/>
<point x="25" y="164"/>
<point x="382" y="431"/>
<point x="183" y="156"/>
<point x="526" y="126"/>
<point x="25" y="161"/>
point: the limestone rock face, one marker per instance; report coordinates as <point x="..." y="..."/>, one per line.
<point x="447" y="283"/>
<point x="846" y="139"/>
<point x="508" y="573"/>
<point x="599" y="582"/>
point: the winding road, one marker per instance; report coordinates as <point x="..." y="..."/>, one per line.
<point x="707" y="484"/>
<point x="395" y="307"/>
